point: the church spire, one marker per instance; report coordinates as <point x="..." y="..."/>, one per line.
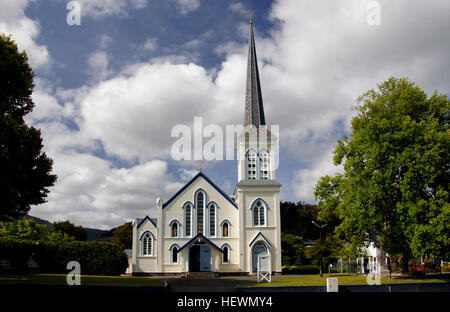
<point x="254" y="111"/>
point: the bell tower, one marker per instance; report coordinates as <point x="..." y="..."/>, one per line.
<point x="257" y="192"/>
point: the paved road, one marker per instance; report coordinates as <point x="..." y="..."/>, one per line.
<point x="222" y="284"/>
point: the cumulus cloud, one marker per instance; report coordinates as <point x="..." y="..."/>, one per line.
<point x="317" y="60"/>
<point x="98" y="65"/>
<point x="24" y="31"/>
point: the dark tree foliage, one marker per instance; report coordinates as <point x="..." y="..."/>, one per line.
<point x="24" y="169"/>
<point x="65" y="227"/>
<point x="123" y="235"/>
<point x="296" y="219"/>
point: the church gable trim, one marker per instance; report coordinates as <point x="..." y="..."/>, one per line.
<point x="263" y="238"/>
<point x="149" y="219"/>
<point x="200" y="235"/>
<point x="200" y="174"/>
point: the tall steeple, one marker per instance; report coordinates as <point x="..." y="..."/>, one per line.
<point x="254" y="110"/>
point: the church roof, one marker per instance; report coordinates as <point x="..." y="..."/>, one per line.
<point x="152" y="220"/>
<point x="254" y="110"/>
<point x="197" y="176"/>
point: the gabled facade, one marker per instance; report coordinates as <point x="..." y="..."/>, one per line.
<point x="203" y="229"/>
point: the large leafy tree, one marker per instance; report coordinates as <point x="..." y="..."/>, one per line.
<point x="24" y="169"/>
<point x="394" y="189"/>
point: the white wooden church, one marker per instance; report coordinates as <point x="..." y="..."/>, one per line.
<point x="203" y="229"/>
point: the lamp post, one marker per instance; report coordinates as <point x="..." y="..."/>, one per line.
<point x="320" y="235"/>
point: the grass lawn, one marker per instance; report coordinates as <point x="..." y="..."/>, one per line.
<point x="345" y="279"/>
<point x="60" y="279"/>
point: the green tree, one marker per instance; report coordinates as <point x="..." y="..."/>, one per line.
<point x="26" y="229"/>
<point x="292" y="249"/>
<point x="24" y="169"/>
<point x="326" y="250"/>
<point x="394" y="191"/>
<point x="296" y="219"/>
<point x="65" y="227"/>
<point x="123" y="235"/>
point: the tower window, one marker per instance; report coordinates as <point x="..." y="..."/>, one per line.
<point x="251" y="165"/>
<point x="264" y="165"/>
<point x="259" y="213"/>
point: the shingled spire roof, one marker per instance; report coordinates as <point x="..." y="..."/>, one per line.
<point x="254" y="111"/>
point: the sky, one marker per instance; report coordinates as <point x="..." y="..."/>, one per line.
<point x="109" y="91"/>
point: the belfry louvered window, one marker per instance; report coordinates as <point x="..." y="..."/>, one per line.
<point x="263" y="165"/>
<point x="252" y="169"/>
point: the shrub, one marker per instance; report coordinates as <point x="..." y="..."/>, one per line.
<point x="301" y="269"/>
<point x="94" y="257"/>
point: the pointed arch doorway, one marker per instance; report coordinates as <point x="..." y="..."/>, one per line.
<point x="200" y="258"/>
<point x="258" y="248"/>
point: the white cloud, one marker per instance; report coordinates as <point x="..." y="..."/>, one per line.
<point x="98" y="9"/>
<point x="305" y="179"/>
<point x="130" y="114"/>
<point x="187" y="6"/>
<point x="24" y="31"/>
<point x="319" y="58"/>
<point x="239" y="8"/>
<point x="151" y="44"/>
<point x="98" y="65"/>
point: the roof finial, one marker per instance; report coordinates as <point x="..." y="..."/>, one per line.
<point x="251" y="13"/>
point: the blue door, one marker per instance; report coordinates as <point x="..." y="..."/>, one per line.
<point x="205" y="258"/>
<point x="257" y="250"/>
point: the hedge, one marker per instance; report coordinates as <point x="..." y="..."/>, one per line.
<point x="301" y="269"/>
<point x="97" y="258"/>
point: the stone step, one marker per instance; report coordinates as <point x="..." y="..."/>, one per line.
<point x="200" y="275"/>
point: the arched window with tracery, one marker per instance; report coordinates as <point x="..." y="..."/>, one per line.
<point x="200" y="207"/>
<point x="251" y="168"/>
<point x="259" y="209"/>
<point x="212" y="219"/>
<point x="187" y="220"/>
<point x="264" y="168"/>
<point x="147" y="244"/>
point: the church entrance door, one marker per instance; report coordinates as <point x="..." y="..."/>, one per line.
<point x="200" y="258"/>
<point x="258" y="249"/>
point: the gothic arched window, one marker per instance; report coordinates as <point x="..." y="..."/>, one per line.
<point x="225" y="229"/>
<point x="259" y="213"/>
<point x="226" y="254"/>
<point x="174" y="229"/>
<point x="187" y="219"/>
<point x="251" y="168"/>
<point x="200" y="200"/>
<point x="264" y="167"/>
<point x="147" y="244"/>
<point x="212" y="219"/>
<point x="174" y="253"/>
